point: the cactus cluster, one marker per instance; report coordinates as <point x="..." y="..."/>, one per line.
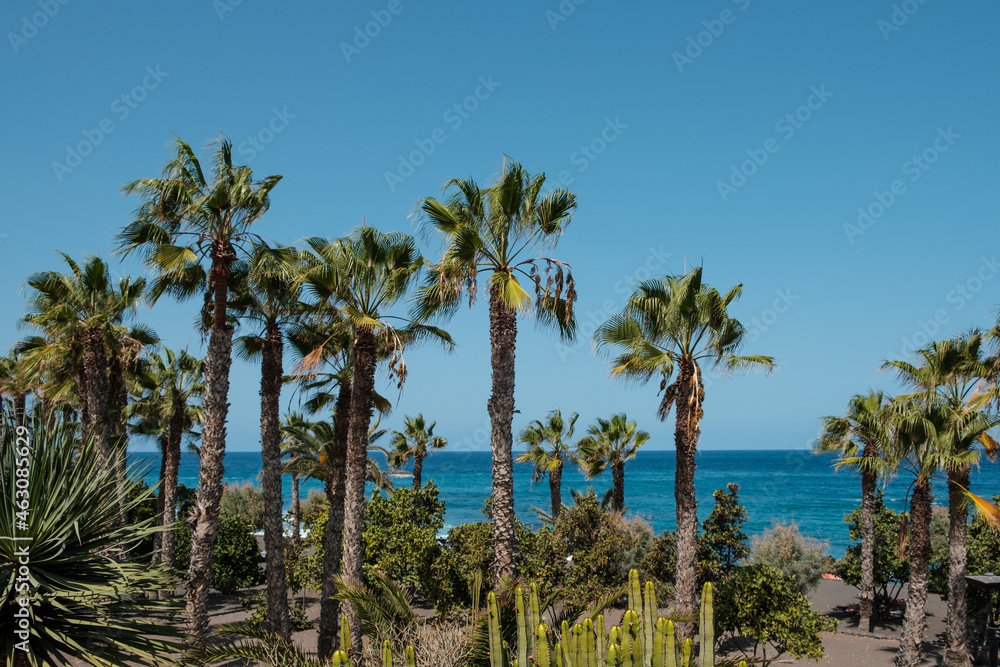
<point x="642" y="640"/>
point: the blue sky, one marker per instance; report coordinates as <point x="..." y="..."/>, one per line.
<point x="741" y="135"/>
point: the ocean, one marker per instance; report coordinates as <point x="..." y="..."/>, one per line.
<point x="789" y="485"/>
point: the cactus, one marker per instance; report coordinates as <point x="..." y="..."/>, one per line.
<point x="340" y="659"/>
<point x="612" y="659"/>
<point x="411" y="657"/>
<point x="496" y="641"/>
<point x="686" y="656"/>
<point x="589" y="644"/>
<point x="345" y="635"/>
<point x="535" y="618"/>
<point x="522" y="628"/>
<point x="386" y="654"/>
<point x="601" y="638"/>
<point x="542" y="657"/>
<point x="649" y="610"/>
<point x="707" y="628"/>
<point x="670" y="645"/>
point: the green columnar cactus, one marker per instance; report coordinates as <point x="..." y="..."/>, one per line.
<point x="534" y="618"/>
<point x="612" y="657"/>
<point x="496" y="641"/>
<point x="569" y="644"/>
<point x="686" y="655"/>
<point x="340" y="659"/>
<point x="602" y="638"/>
<point x="345" y="635"/>
<point x="659" y="632"/>
<point x="707" y="628"/>
<point x="634" y="592"/>
<point x="649" y="610"/>
<point x="589" y="644"/>
<point x="670" y="645"/>
<point x="386" y="654"/>
<point x="411" y="657"/>
<point x="542" y="657"/>
<point x="522" y="628"/>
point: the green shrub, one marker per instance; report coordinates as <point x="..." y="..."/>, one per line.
<point x="763" y="607"/>
<point x="799" y="558"/>
<point x="399" y="532"/>
<point x="244" y="500"/>
<point x="722" y="544"/>
<point x="601" y="547"/>
<point x="890" y="571"/>
<point x="236" y="556"/>
<point x="256" y="605"/>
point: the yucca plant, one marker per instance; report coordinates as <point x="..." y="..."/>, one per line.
<point x="85" y="579"/>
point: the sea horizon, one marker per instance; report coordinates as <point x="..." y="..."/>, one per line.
<point x="775" y="485"/>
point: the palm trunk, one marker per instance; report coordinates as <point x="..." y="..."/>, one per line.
<point x="160" y="520"/>
<point x="357" y="465"/>
<point x="270" y="445"/>
<point x="686" y="443"/>
<point x="215" y="408"/>
<point x="95" y="364"/>
<point x="915" y="621"/>
<point x="20" y="408"/>
<point x="329" y="607"/>
<point x="418" y="469"/>
<point x="296" y="508"/>
<point x="618" y="484"/>
<point x="957" y="651"/>
<point x="867" y="529"/>
<point x="503" y="338"/>
<point x="117" y="424"/>
<point x="555" y="490"/>
<point x="172" y="462"/>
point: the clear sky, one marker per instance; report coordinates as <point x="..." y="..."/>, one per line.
<point x="739" y="134"/>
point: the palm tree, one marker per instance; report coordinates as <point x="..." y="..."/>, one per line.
<point x="291" y="422"/>
<point x="413" y="442"/>
<point x="363" y="276"/>
<point x="266" y="297"/>
<point x="950" y="382"/>
<point x="84" y="310"/>
<point x="15" y="383"/>
<point x="609" y="444"/>
<point x="500" y="232"/>
<point x="556" y="433"/>
<point x="677" y="324"/>
<point x="168" y="407"/>
<point x="861" y="438"/>
<point x="185" y="220"/>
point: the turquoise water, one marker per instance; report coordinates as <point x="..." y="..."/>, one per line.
<point x="774" y="484"/>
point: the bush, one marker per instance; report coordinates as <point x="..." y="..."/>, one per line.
<point x="891" y="572"/>
<point x="761" y="605"/>
<point x="799" y="558"/>
<point x="448" y="573"/>
<point x="601" y="547"/>
<point x="722" y="544"/>
<point x="236" y="556"/>
<point x="399" y="531"/>
<point x="256" y="605"/>
<point x="246" y="501"/>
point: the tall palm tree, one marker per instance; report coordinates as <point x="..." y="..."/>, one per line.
<point x="167" y="408"/>
<point x="862" y="439"/>
<point x="556" y="433"/>
<point x="290" y="423"/>
<point x="85" y="310"/>
<point x="609" y="443"/>
<point x="413" y="442"/>
<point x="500" y="232"/>
<point x="950" y="380"/>
<point x="364" y="275"/>
<point x="676" y="324"/>
<point x="266" y="298"/>
<point x="188" y="219"/>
